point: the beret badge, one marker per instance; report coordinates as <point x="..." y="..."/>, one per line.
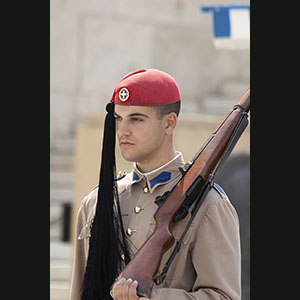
<point x="124" y="94"/>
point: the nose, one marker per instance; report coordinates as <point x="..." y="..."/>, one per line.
<point x="123" y="128"/>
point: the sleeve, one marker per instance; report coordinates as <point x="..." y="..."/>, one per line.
<point x="215" y="256"/>
<point x="79" y="261"/>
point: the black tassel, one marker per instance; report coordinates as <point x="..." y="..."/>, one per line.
<point x="108" y="239"/>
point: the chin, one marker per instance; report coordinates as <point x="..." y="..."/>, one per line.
<point x="128" y="157"/>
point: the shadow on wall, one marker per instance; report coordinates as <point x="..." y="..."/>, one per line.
<point x="234" y="178"/>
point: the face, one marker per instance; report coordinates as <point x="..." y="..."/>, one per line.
<point x="141" y="135"/>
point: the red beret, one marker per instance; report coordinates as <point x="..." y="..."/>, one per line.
<point x="146" y="88"/>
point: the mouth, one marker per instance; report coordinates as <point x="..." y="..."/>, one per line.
<point x="125" y="144"/>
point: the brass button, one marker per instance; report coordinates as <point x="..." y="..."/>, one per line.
<point x="130" y="231"/>
<point x="123" y="256"/>
<point x="137" y="209"/>
<point x="146" y="190"/>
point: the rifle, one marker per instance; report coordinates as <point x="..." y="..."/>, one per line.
<point x="197" y="179"/>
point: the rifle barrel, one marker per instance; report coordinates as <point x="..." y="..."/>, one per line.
<point x="244" y="101"/>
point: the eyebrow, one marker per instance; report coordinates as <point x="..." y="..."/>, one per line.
<point x="133" y="115"/>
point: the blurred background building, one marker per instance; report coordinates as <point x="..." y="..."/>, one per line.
<point x="94" y="43"/>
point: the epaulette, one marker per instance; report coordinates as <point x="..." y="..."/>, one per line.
<point x="219" y="190"/>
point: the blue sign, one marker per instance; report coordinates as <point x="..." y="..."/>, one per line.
<point x="230" y="25"/>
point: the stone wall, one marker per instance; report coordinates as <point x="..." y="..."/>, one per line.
<point x="94" y="43"/>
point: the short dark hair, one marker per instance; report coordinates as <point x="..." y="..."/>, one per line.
<point x="163" y="110"/>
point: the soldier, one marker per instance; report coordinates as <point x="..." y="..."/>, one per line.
<point x="145" y="106"/>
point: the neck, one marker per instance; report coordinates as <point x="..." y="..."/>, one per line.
<point x="153" y="163"/>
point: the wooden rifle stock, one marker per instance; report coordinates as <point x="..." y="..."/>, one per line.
<point x="145" y="263"/>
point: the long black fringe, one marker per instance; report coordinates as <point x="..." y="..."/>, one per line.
<point x="108" y="240"/>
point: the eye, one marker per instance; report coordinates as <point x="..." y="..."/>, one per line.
<point x="135" y="119"/>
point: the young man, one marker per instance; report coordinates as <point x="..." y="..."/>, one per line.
<point x="208" y="265"/>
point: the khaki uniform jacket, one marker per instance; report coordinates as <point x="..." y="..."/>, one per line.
<point x="208" y="265"/>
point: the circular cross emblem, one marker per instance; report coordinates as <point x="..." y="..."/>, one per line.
<point x="123" y="94"/>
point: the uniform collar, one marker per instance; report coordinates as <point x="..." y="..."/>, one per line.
<point x="159" y="176"/>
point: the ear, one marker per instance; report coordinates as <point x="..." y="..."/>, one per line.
<point x="170" y="121"/>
